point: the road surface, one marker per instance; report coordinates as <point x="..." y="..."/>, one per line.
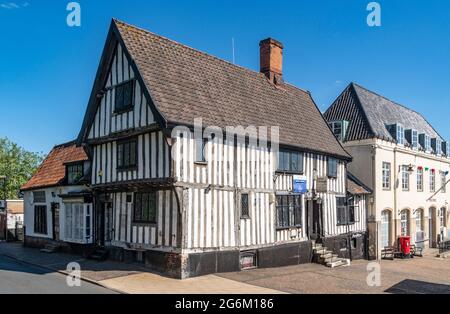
<point x="20" y="278"/>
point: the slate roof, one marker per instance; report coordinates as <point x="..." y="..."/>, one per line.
<point x="185" y="84"/>
<point x="369" y="113"/>
<point x="356" y="187"/>
<point x="52" y="171"/>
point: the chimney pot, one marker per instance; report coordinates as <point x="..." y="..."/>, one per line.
<point x="271" y="60"/>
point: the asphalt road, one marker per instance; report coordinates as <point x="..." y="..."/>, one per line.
<point x="19" y="278"/>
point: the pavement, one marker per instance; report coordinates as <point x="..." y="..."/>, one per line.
<point x="23" y="278"/>
<point x="127" y="278"/>
<point x="419" y="275"/>
<point x="414" y="276"/>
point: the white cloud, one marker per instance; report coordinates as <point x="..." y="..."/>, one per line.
<point x="13" y="5"/>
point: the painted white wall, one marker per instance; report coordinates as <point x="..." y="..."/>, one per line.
<point x="51" y="196"/>
<point x="369" y="156"/>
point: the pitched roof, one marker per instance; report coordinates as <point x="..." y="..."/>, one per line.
<point x="356" y="187"/>
<point x="52" y="171"/>
<point x="15" y="206"/>
<point x="185" y="84"/>
<point x="371" y="113"/>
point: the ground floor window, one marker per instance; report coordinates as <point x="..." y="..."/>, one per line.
<point x="289" y="211"/>
<point x="404" y="222"/>
<point x="385" y="228"/>
<point x="40" y="219"/>
<point x="145" y="207"/>
<point x="78" y="225"/>
<point x="442" y="217"/>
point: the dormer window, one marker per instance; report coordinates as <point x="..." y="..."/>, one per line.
<point x="400" y="132"/>
<point x="124" y="97"/>
<point x="425" y="142"/>
<point x="446" y="149"/>
<point x="412" y="136"/>
<point x="397" y="132"/>
<point x="74" y="173"/>
<point x="436" y="144"/>
<point x="339" y="129"/>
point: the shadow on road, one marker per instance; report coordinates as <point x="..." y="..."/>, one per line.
<point x="409" y="286"/>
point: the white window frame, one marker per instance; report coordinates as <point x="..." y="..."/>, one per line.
<point x="432" y="181"/>
<point x="75" y="223"/>
<point x="400" y="132"/>
<point x="415" y="139"/>
<point x="386" y="176"/>
<point x="419" y="180"/>
<point x="404" y="222"/>
<point x="405" y="178"/>
<point x="427" y="143"/>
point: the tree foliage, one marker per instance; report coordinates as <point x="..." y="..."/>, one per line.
<point x="18" y="165"/>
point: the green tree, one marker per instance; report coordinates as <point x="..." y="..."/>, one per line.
<point x="18" y="165"/>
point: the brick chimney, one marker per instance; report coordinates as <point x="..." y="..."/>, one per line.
<point x="271" y="60"/>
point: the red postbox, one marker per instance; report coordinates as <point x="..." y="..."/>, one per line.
<point x="404" y="243"/>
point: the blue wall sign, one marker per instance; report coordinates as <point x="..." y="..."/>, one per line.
<point x="299" y="184"/>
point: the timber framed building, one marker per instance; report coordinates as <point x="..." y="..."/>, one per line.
<point x="189" y="205"/>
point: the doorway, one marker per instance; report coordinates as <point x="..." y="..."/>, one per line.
<point x="315" y="222"/>
<point x="432" y="227"/>
<point x="105" y="224"/>
<point x="55" y="222"/>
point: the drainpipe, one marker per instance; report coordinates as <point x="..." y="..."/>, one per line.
<point x="396" y="185"/>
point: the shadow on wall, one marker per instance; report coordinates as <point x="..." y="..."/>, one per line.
<point x="409" y="286"/>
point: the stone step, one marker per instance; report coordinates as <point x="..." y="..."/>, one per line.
<point x="342" y="262"/>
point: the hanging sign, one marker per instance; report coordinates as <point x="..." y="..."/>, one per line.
<point x="300" y="184"/>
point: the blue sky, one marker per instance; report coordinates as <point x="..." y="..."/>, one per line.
<point x="47" y="68"/>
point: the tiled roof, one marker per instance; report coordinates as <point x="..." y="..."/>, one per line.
<point x="356" y="187"/>
<point x="370" y="114"/>
<point x="185" y="84"/>
<point x="15" y="206"/>
<point x="52" y="171"/>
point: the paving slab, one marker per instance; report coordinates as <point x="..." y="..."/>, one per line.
<point x="148" y="283"/>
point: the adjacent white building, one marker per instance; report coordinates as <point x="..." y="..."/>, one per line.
<point x="403" y="159"/>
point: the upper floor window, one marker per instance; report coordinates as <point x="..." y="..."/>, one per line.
<point x="126" y="154"/>
<point x="437" y="146"/>
<point x="39" y="197"/>
<point x="332" y="168"/>
<point x="74" y="173"/>
<point x="446" y="149"/>
<point x="200" y="153"/>
<point x="339" y="129"/>
<point x="386" y="175"/>
<point x="145" y="207"/>
<point x="245" y="212"/>
<point x="405" y="178"/>
<point x="290" y="161"/>
<point x="414" y="139"/>
<point x="425" y="141"/>
<point x="345" y="214"/>
<point x="412" y="136"/>
<point x="443" y="182"/>
<point x="419" y="179"/>
<point x="124" y="97"/>
<point x="400" y="131"/>
<point x="432" y="181"/>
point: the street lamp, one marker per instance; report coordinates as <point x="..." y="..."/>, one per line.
<point x="4" y="180"/>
